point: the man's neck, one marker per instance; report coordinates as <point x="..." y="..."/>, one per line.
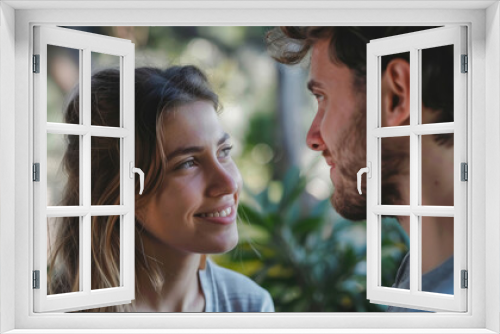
<point x="437" y="240"/>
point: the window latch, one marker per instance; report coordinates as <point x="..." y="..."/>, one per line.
<point x="133" y="170"/>
<point x="368" y="171"/>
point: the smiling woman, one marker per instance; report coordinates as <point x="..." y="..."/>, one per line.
<point x="203" y="179"/>
<point x="188" y="208"/>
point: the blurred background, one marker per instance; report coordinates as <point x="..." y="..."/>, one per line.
<point x="292" y="242"/>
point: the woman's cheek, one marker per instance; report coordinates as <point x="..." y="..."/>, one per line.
<point x="237" y="176"/>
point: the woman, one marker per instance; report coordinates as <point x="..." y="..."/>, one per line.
<point x="188" y="207"/>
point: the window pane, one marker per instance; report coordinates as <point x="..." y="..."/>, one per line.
<point x="105" y="90"/>
<point x="63" y="75"/>
<point x="394" y="247"/>
<point x="63" y="254"/>
<point x="437" y="254"/>
<point x="395" y="171"/>
<point x="437" y="85"/>
<point x="388" y="100"/>
<point x="63" y="169"/>
<point x="437" y="170"/>
<point x="105" y="171"/>
<point x="105" y="252"/>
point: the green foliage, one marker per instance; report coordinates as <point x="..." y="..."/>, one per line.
<point x="307" y="260"/>
<point x="260" y="130"/>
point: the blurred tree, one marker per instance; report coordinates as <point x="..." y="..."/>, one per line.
<point x="306" y="260"/>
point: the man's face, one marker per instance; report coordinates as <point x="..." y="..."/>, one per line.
<point x="339" y="129"/>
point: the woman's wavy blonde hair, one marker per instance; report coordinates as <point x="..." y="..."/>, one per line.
<point x="157" y="93"/>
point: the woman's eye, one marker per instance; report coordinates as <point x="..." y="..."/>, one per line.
<point x="185" y="165"/>
<point x="225" y="152"/>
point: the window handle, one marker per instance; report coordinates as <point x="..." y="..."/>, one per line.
<point x="141" y="175"/>
<point x="368" y="171"/>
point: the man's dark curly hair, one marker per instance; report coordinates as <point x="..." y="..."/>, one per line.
<point x="290" y="45"/>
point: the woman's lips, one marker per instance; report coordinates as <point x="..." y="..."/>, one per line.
<point x="227" y="220"/>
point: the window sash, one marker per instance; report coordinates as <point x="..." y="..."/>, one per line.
<point x="86" y="43"/>
<point x="413" y="43"/>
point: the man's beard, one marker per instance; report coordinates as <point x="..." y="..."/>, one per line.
<point x="350" y="157"/>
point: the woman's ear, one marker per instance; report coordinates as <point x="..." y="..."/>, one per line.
<point x="396" y="93"/>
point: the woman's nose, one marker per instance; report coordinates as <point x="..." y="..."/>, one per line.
<point x="223" y="181"/>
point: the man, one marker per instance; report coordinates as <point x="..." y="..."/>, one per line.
<point x="338" y="131"/>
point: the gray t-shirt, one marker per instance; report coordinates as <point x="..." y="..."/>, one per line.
<point x="438" y="280"/>
<point x="228" y="291"/>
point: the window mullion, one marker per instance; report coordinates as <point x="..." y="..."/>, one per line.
<point x="85" y="167"/>
<point x="415" y="251"/>
<point x="81" y="174"/>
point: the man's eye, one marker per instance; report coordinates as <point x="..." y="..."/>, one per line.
<point x="185" y="165"/>
<point x="225" y="152"/>
<point x="318" y="97"/>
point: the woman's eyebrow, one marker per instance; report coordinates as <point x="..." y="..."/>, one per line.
<point x="194" y="149"/>
<point x="184" y="151"/>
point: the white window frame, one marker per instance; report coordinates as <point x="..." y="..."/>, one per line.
<point x="17" y="20"/>
<point x="413" y="43"/>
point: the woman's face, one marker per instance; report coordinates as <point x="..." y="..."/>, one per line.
<point x="195" y="209"/>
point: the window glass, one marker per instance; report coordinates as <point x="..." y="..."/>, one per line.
<point x="107" y="112"/>
<point x="437" y="89"/>
<point x="63" y="170"/>
<point x="395" y="170"/>
<point x="105" y="252"/>
<point x="63" y="77"/>
<point x="107" y="152"/>
<point x="63" y="254"/>
<point x="437" y="188"/>
<point x="395" y="244"/>
<point x="437" y="254"/>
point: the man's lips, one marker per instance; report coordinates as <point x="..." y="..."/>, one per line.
<point x="329" y="161"/>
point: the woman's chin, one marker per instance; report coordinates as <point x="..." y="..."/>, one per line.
<point x="223" y="245"/>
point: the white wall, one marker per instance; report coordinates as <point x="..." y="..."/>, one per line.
<point x="482" y="104"/>
<point x="492" y="165"/>
<point x="7" y="126"/>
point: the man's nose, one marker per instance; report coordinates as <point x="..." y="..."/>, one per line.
<point x="222" y="181"/>
<point x="314" y="140"/>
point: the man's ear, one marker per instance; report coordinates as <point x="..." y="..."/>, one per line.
<point x="396" y="93"/>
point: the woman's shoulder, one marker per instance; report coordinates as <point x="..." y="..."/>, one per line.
<point x="233" y="292"/>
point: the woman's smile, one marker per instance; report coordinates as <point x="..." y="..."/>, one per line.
<point x="225" y="215"/>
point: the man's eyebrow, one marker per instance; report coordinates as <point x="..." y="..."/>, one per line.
<point x="224" y="137"/>
<point x="312" y="84"/>
<point x="194" y="149"/>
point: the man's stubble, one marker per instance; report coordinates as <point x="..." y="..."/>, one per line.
<point x="350" y="155"/>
